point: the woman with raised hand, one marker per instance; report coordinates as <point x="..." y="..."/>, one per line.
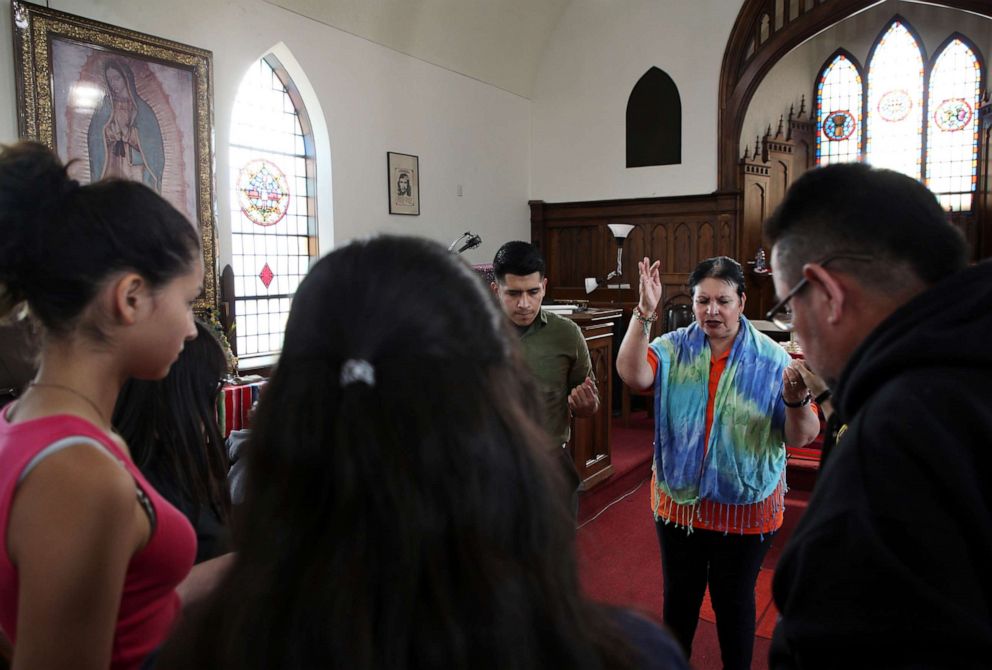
<point x="726" y="399"/>
<point x="92" y="554"/>
<point x="402" y="506"/>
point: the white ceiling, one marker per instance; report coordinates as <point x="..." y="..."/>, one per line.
<point x="500" y="42"/>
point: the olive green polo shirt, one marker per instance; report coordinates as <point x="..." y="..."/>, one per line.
<point x="556" y="352"/>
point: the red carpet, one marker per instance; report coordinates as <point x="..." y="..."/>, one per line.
<point x="631" y="458"/>
<point x="619" y="559"/>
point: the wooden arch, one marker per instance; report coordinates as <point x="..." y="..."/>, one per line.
<point x="764" y="32"/>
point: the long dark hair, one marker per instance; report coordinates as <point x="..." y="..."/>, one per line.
<point x="59" y="241"/>
<point x="407" y="514"/>
<point x="171" y="428"/>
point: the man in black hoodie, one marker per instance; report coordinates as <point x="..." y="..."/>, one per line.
<point x="891" y="565"/>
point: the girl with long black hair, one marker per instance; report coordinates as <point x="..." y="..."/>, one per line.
<point x="93" y="555"/>
<point x="171" y="427"/>
<point x="402" y="509"/>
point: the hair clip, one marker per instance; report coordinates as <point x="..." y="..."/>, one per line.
<point x="357" y="370"/>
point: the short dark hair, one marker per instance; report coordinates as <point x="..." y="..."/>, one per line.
<point x="718" y="267"/>
<point x="59" y="241"/>
<point x="517" y="258"/>
<point x="855" y="208"/>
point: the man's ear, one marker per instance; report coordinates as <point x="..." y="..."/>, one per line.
<point x="495" y="287"/>
<point x="544" y="284"/>
<point x="129" y="293"/>
<point x="834" y="293"/>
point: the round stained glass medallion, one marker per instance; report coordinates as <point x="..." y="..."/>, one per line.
<point x="263" y="192"/>
<point x="952" y="114"/>
<point x="838" y="125"/>
<point x="895" y="105"/>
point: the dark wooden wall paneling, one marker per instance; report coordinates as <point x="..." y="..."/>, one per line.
<point x="764" y="175"/>
<point x="679" y="231"/>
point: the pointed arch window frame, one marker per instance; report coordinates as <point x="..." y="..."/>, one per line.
<point x="859" y="129"/>
<point x="928" y="67"/>
<point x="870" y="115"/>
<point x="949" y="198"/>
<point x="257" y="357"/>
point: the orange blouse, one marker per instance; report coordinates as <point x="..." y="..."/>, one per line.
<point x="755" y="519"/>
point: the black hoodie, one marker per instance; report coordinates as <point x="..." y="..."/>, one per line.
<point x="891" y="565"/>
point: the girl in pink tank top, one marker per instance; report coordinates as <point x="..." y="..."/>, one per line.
<point x="149" y="603"/>
<point x="92" y="554"/>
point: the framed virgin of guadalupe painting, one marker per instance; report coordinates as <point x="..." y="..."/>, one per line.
<point x="114" y="103"/>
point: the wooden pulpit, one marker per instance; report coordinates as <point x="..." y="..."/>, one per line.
<point x="590" y="441"/>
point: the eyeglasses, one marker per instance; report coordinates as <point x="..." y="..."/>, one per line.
<point x="781" y="313"/>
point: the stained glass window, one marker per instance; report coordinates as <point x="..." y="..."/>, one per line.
<point x="895" y="102"/>
<point x="263" y="192"/>
<point x="894" y="122"/>
<point x="273" y="227"/>
<point x="952" y="131"/>
<point x="838" y="112"/>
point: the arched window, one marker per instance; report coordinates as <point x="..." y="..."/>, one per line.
<point x="273" y="222"/>
<point x="895" y="102"/>
<point x="838" y="110"/>
<point x="654" y="121"/>
<point x="932" y="137"/>
<point x="952" y="132"/>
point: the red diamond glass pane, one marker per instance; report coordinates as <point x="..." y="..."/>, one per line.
<point x="266" y="275"/>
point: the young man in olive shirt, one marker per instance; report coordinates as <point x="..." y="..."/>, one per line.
<point x="553" y="346"/>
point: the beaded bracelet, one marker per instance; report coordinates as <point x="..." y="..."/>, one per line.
<point x="802" y="403"/>
<point x="646" y="321"/>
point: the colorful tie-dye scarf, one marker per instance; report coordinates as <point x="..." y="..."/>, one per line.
<point x="745" y="458"/>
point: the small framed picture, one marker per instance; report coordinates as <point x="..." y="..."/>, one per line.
<point x="403" y="177"/>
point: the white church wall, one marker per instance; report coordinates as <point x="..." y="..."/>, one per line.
<point x="791" y="78"/>
<point x="594" y="58"/>
<point x="373" y="99"/>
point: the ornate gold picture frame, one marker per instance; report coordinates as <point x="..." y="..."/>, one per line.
<point x="119" y="103"/>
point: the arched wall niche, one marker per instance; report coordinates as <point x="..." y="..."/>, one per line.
<point x="654" y="121"/>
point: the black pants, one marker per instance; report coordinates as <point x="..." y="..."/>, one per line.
<point x="730" y="564"/>
<point x="571" y="480"/>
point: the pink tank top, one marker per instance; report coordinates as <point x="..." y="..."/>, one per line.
<point x="149" y="604"/>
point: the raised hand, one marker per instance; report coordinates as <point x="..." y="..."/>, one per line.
<point x="650" y="285"/>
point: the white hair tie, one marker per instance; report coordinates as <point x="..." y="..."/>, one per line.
<point x="357" y="370"/>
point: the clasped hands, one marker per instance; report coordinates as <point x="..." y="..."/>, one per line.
<point x="584" y="399"/>
<point x="794" y="388"/>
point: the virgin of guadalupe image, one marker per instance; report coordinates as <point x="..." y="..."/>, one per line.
<point x="124" y="137"/>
